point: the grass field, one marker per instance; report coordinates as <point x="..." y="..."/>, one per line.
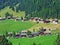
<point x="10" y="11"/>
<point x="16" y="26"/>
<point x="43" y="40"/>
<point x="12" y="25"/>
<point x="49" y="25"/>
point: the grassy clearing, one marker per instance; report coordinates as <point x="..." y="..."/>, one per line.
<point x="7" y="9"/>
<point x="37" y="26"/>
<point x="43" y="40"/>
<point x="12" y="25"/>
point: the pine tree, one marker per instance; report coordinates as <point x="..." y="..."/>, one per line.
<point x="34" y="43"/>
<point x="4" y="41"/>
<point x="57" y="40"/>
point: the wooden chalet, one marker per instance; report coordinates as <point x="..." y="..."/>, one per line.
<point x="23" y="33"/>
<point x="47" y="32"/>
<point x="46" y="21"/>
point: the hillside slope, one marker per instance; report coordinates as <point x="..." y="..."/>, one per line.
<point x="10" y="11"/>
<point x="34" y="8"/>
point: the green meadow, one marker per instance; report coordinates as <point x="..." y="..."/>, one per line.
<point x="16" y="26"/>
<point x="41" y="40"/>
<point x="10" y="11"/>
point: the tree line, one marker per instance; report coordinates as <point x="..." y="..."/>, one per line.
<point x="4" y="41"/>
<point x="34" y="8"/>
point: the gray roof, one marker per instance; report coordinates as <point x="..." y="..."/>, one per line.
<point x="23" y="34"/>
<point x="35" y="33"/>
<point x="47" y="31"/>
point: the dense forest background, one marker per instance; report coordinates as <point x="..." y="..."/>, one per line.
<point x="34" y="8"/>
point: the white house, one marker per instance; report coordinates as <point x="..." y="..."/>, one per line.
<point x="47" y="32"/>
<point x="54" y="22"/>
<point x="41" y="21"/>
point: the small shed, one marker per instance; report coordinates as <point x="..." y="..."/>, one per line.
<point x="2" y="18"/>
<point x="47" y="21"/>
<point x="35" y="19"/>
<point x="17" y="35"/>
<point x="47" y="32"/>
<point x="41" y="33"/>
<point x="23" y="34"/>
<point x="41" y="21"/>
<point x="9" y="34"/>
<point x="31" y="18"/>
<point x="55" y="21"/>
<point x="18" y="19"/>
<point x="35" y="34"/>
<point x="24" y="31"/>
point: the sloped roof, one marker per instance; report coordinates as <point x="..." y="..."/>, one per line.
<point x="47" y="31"/>
<point x="23" y="34"/>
